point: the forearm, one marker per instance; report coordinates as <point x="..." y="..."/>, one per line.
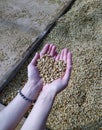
<point x="38" y="116"/>
<point x="12" y="114"/>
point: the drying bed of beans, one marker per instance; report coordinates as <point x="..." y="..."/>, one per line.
<point x="79" y="106"/>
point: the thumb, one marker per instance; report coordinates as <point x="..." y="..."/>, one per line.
<point x="34" y="60"/>
<point x="69" y="67"/>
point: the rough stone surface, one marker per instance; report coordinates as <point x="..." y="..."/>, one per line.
<point x="20" y="23"/>
<point x="79" y="106"/>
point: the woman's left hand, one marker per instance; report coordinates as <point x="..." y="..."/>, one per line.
<point x="34" y="80"/>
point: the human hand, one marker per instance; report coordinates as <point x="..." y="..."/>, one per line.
<point x="33" y="73"/>
<point x="34" y="78"/>
<point x="61" y="83"/>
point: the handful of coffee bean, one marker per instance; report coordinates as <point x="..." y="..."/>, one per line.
<point x="50" y="69"/>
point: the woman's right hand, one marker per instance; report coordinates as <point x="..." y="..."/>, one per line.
<point x="61" y="83"/>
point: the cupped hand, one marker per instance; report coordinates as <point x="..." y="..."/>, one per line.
<point x="33" y="73"/>
<point x="61" y="83"/>
<point x="34" y="84"/>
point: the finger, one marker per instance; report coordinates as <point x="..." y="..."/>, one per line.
<point x="50" y="48"/>
<point x="44" y="50"/>
<point x="57" y="57"/>
<point x="34" y="60"/>
<point x="56" y="53"/>
<point x="52" y="52"/>
<point x="65" y="55"/>
<point x="69" y="66"/>
<point x="61" y="56"/>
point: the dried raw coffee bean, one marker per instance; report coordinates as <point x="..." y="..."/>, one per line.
<point x="50" y="69"/>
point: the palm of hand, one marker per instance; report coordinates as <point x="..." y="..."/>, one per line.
<point x="33" y="74"/>
<point x="58" y="85"/>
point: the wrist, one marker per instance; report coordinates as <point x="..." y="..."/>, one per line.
<point x="30" y="90"/>
<point x="48" y="91"/>
<point x="26" y="98"/>
<point x="46" y="98"/>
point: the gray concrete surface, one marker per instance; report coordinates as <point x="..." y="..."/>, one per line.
<point x="20" y="24"/>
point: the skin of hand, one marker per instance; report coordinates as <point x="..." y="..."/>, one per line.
<point x="11" y="115"/>
<point x="35" y="82"/>
<point x="33" y="73"/>
<point x="61" y="83"/>
<point x="39" y="114"/>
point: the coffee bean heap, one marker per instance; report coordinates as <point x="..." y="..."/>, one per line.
<point x="50" y="69"/>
